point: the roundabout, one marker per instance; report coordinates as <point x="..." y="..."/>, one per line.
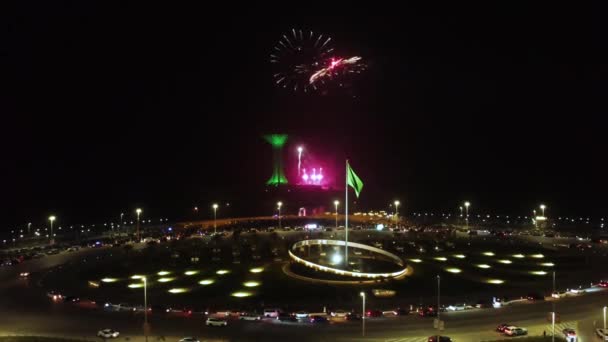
<point x="397" y="268"/>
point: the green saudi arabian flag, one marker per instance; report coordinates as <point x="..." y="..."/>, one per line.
<point x="353" y="180"/>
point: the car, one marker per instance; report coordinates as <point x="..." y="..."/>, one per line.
<point x="24" y="274"/>
<point x="339" y="313"/>
<point x="247" y="316"/>
<point x="353" y="316"/>
<point x="515" y="331"/>
<point x="124" y="307"/>
<point x="216" y="322"/>
<point x="457" y="307"/>
<point x="441" y="339"/>
<point x="535" y="297"/>
<point x="54" y="295"/>
<point x="559" y="294"/>
<point x="285" y="317"/>
<point x="189" y="339"/>
<point x="301" y="315"/>
<point x="569" y="333"/>
<point x="603" y="283"/>
<point x="602" y="334"/>
<point x="576" y="291"/>
<point x="373" y="313"/>
<point x="71" y="299"/>
<point x="318" y="319"/>
<point x="272" y="313"/>
<point x="108" y="333"/>
<point x="401" y="312"/>
<point x="427" y="312"/>
<point x="501" y="327"/>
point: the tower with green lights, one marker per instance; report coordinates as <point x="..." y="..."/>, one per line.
<point x="277" y="141"/>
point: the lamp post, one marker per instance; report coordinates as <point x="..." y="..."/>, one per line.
<point x="439" y="304"/>
<point x="52" y="219"/>
<point x="299" y="160"/>
<point x="605" y="308"/>
<point x="336" y="203"/>
<point x="146" y="328"/>
<point x="542" y="208"/>
<point x="467" y="204"/>
<point x="362" y="294"/>
<point x="553" y="313"/>
<point x="120" y="223"/>
<point x="397" y="208"/>
<point x="29" y="225"/>
<point x="138" y="212"/>
<point x="279" y="205"/>
<point x="215" y="218"/>
<point x="460" y="211"/>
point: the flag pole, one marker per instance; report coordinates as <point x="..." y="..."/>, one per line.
<point x="346" y="217"/>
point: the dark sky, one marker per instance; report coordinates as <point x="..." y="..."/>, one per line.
<point x="109" y="106"/>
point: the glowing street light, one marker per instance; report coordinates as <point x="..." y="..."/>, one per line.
<point x="121" y="215"/>
<point x="215" y="218"/>
<point x="543" y="207"/>
<point x="460" y="211"/>
<point x="279" y="205"/>
<point x="336" y="203"/>
<point x="146" y="328"/>
<point x="362" y="294"/>
<point x="138" y="212"/>
<point x="300" y="149"/>
<point x="28" y="228"/>
<point x="397" y="208"/>
<point x="52" y="219"/>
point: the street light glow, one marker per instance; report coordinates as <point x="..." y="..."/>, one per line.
<point x="138" y="211"/>
<point x="215" y="206"/>
<point x="206" y="282"/>
<point x="52" y="218"/>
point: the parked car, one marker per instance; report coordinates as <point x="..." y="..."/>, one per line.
<point x="559" y="294"/>
<point x="603" y="283"/>
<point x="401" y="312"/>
<point x="373" y="313"/>
<point x="247" y="316"/>
<point x="108" y="333"/>
<point x="353" y="316"/>
<point x="285" y="317"/>
<point x="216" y="322"/>
<point x="318" y="319"/>
<point x="441" y="339"/>
<point x="535" y="297"/>
<point x="272" y="313"/>
<point x="301" y="315"/>
<point x="339" y="313"/>
<point x="515" y="331"/>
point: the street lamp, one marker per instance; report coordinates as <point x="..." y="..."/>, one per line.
<point x="362" y="294"/>
<point x="146" y="328"/>
<point x="121" y="215"/>
<point x="542" y="207"/>
<point x="52" y="219"/>
<point x="279" y="205"/>
<point x="605" y="308"/>
<point x="215" y="218"/>
<point x="138" y="212"/>
<point x="397" y="208"/>
<point x="467" y="204"/>
<point x="300" y="149"/>
<point x="336" y="203"/>
<point x="28" y="228"/>
<point x="460" y="210"/>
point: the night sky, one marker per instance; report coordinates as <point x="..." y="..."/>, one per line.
<point x="111" y="106"/>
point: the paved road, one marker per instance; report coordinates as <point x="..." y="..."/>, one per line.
<point x="25" y="309"/>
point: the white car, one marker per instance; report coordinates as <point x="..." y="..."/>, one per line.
<point x="458" y="307"/>
<point x="301" y="315"/>
<point x="559" y="294"/>
<point x="216" y="322"/>
<point x="249" y="317"/>
<point x="602" y="334"/>
<point x="189" y="339"/>
<point x="339" y="313"/>
<point x="515" y="331"/>
<point x="108" y="333"/>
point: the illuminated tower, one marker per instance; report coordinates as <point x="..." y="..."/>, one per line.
<point x="277" y="141"/>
